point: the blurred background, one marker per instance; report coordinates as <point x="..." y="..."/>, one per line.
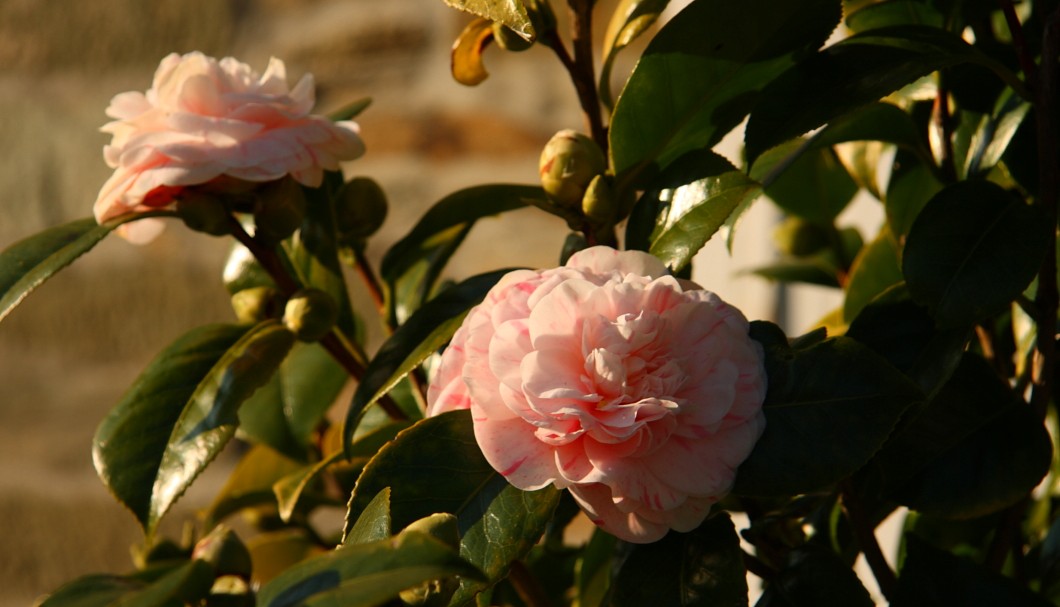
<point x="71" y="350"/>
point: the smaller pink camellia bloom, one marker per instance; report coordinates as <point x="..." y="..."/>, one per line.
<point x="205" y="121"/>
<point x="639" y="393"/>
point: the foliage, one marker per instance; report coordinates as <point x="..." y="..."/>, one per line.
<point x="930" y="392"/>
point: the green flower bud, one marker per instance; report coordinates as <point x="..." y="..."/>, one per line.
<point x="310" y="314"/>
<point x="204" y="213"/>
<point x="256" y="304"/>
<point x="360" y="209"/>
<point x="225" y="552"/>
<point x="568" y="164"/>
<point x="599" y="203"/>
<point x="279" y="210"/>
<point x="507" y="39"/>
<point x="434" y="593"/>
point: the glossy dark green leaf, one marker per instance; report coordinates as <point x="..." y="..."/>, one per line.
<point x="131" y="440"/>
<point x="701" y="568"/>
<point x="695" y="212"/>
<point x="904" y="333"/>
<point x="365" y="575"/>
<point x="250" y="484"/>
<point x="187" y="583"/>
<point x="911" y="185"/>
<point x="374" y="522"/>
<point x="414" y="263"/>
<point x="972" y="250"/>
<point x="814" y="575"/>
<point x="592" y="571"/>
<point x="285" y="412"/>
<point x="852" y="73"/>
<point x="509" y="12"/>
<point x="814" y="186"/>
<point x="630" y="19"/>
<point x="836" y="383"/>
<point x="930" y="577"/>
<point x="893" y="12"/>
<point x="423" y="334"/>
<point x="26" y="264"/>
<point x="973" y="449"/>
<point x="875" y="270"/>
<point x="702" y="72"/>
<point x="290" y="489"/>
<point x="436" y="466"/>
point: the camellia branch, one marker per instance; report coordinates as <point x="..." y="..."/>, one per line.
<point x="335" y="346"/>
<point x="580" y="66"/>
<point x="370" y="281"/>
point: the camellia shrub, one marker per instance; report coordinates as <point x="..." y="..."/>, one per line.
<point x="610" y="392"/>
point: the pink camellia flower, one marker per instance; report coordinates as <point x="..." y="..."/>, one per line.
<point x="205" y="121"/>
<point x="639" y="393"/>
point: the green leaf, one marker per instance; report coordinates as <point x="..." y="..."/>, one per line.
<point x="701" y="568"/>
<point x="814" y="575"/>
<point x="414" y="263"/>
<point x="250" y="484"/>
<point x="912" y="184"/>
<point x="701" y="74"/>
<point x="509" y="12"/>
<point x="695" y="213"/>
<point x="25" y="265"/>
<point x="374" y="522"/>
<point x="817" y="269"/>
<point x="893" y="12"/>
<point x="930" y="576"/>
<point x="874" y="271"/>
<point x="436" y="466"/>
<point x="592" y="572"/>
<point x="904" y="333"/>
<point x="836" y="383"/>
<point x="814" y="186"/>
<point x="630" y="19"/>
<point x="365" y="575"/>
<point x="285" y="412"/>
<point x="290" y="489"/>
<point x="275" y="552"/>
<point x="852" y="73"/>
<point x="971" y="251"/>
<point x="973" y="449"/>
<point x="423" y="334"/>
<point x="130" y="442"/>
<point x="187" y="583"/>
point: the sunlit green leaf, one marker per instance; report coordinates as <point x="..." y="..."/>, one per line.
<point x="815" y="186"/>
<point x="374" y="522"/>
<point x="592" y="572"/>
<point x="701" y="74"/>
<point x="509" y="12"/>
<point x="25" y="265"/>
<point x="972" y="250"/>
<point x="250" y="484"/>
<point x="836" y="383"/>
<point x="365" y="575"/>
<point x="852" y="73"/>
<point x="430" y="328"/>
<point x="875" y="270"/>
<point x="184" y="584"/>
<point x="630" y="19"/>
<point x="436" y="466"/>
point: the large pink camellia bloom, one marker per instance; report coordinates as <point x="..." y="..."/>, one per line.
<point x="639" y="393"/>
<point x="208" y="121"/>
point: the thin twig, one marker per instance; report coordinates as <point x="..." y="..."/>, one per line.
<point x="865" y="534"/>
<point x="584" y="74"/>
<point x="1015" y="29"/>
<point x="756" y="566"/>
<point x="370" y="281"/>
<point x="944" y="121"/>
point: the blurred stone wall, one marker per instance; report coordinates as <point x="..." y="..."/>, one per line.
<point x="69" y="352"/>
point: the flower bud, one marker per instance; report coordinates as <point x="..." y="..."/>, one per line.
<point x="360" y="209"/>
<point x="599" y="202"/>
<point x="434" y="593"/>
<point x="310" y="314"/>
<point x="256" y="304"/>
<point x="507" y="39"/>
<point x="225" y="552"/>
<point x="568" y="163"/>
<point x="279" y="210"/>
<point x="204" y="213"/>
